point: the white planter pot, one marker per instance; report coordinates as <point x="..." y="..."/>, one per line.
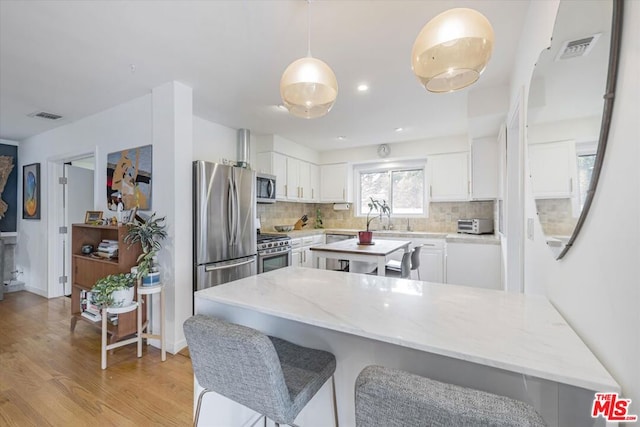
<point x="122" y="298"/>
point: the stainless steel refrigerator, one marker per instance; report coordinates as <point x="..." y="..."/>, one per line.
<point x="224" y="232"/>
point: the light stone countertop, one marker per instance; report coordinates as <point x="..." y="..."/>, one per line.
<point x="491" y="239"/>
<point x="516" y="332"/>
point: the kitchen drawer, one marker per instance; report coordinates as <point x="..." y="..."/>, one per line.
<point x="296" y="243"/>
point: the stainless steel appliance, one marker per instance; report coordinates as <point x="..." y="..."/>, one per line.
<point x="265" y="188"/>
<point x="274" y="252"/>
<point x="475" y="226"/>
<point x="224" y="232"/>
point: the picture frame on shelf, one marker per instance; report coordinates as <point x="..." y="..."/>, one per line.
<point x="129" y="215"/>
<point x="93" y="217"/>
<point x="31" y="191"/>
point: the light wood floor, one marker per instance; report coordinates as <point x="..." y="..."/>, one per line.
<point x="50" y="376"/>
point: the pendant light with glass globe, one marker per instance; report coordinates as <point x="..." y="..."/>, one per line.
<point x="308" y="86"/>
<point x="452" y="50"/>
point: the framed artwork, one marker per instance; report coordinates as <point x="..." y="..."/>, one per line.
<point x="31" y="191"/>
<point x="92" y="217"/>
<point x="129" y="178"/>
<point x="9" y="208"/>
<point x="129" y="215"/>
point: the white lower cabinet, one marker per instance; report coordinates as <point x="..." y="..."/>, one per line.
<point x="301" y="255"/>
<point x="474" y="264"/>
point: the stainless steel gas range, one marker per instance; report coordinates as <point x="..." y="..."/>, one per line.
<point x="274" y="251"/>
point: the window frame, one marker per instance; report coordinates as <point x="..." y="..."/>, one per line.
<point x="388" y="167"/>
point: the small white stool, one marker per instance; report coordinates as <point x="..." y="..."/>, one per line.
<point x="105" y="347"/>
<point x="150" y="290"/>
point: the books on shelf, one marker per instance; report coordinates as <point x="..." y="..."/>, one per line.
<point x="107" y="249"/>
<point x="91" y="316"/>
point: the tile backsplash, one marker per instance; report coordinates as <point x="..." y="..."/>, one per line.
<point x="556" y="216"/>
<point x="443" y="216"/>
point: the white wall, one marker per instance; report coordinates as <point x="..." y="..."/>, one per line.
<point x="596" y="286"/>
<point x="127" y="125"/>
<point x="586" y="129"/>
<point x="399" y="150"/>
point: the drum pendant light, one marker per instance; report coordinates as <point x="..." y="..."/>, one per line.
<point x="308" y="86"/>
<point x="452" y="50"/>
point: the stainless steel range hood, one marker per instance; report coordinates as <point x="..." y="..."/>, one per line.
<point x="244" y="140"/>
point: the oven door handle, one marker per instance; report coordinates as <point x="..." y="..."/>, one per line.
<point x="224" y="267"/>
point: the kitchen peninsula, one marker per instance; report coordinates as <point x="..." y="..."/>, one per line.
<point x="510" y="344"/>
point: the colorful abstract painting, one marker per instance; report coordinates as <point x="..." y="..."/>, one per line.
<point x="129" y="178"/>
<point x="31" y="191"/>
<point x="8" y="187"/>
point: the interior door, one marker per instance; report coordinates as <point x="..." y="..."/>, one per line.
<point x="78" y="196"/>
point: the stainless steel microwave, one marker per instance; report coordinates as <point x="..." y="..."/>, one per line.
<point x="475" y="226"/>
<point x="265" y="188"/>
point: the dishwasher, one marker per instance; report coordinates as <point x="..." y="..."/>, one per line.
<point x="337" y="264"/>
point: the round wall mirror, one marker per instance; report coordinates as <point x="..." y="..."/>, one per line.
<point x="568" y="115"/>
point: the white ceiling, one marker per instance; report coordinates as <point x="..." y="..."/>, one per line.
<point x="74" y="58"/>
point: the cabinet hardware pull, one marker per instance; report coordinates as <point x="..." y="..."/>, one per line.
<point x="343" y="195"/>
<point x="570" y="185"/>
<point x="286" y="190"/>
<point x="430" y="190"/>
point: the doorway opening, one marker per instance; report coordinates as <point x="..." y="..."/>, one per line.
<point x="72" y="194"/>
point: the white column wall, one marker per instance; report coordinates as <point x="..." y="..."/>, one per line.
<point x="173" y="151"/>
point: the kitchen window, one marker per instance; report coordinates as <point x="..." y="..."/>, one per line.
<point x="401" y="185"/>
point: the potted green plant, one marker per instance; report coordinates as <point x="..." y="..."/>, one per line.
<point x="381" y="207"/>
<point x="115" y="290"/>
<point x="149" y="233"/>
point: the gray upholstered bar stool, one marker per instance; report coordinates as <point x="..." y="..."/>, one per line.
<point x="269" y="375"/>
<point x="393" y="398"/>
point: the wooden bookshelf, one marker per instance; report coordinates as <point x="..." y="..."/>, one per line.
<point x="87" y="269"/>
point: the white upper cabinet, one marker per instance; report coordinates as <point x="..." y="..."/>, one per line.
<point x="484" y="168"/>
<point x="296" y="180"/>
<point x="335" y="183"/>
<point x="293" y="179"/>
<point x="553" y="168"/>
<point x="314" y="178"/>
<point x="448" y="177"/>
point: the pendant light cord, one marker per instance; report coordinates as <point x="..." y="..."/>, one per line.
<point x="309" y="28"/>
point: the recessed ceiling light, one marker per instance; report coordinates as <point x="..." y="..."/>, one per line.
<point x="399" y="129"/>
<point x="279" y="108"/>
<point x="342" y="138"/>
<point x="363" y="87"/>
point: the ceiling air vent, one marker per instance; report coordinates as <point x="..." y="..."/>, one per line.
<point x="576" y="48"/>
<point x="45" y="115"/>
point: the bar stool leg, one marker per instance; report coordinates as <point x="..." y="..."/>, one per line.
<point x="162" y="340"/>
<point x="333" y="401"/>
<point x="103" y="357"/>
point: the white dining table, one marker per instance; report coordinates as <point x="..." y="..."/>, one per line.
<point x="351" y="250"/>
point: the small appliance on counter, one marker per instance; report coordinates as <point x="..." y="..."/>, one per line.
<point x="475" y="226"/>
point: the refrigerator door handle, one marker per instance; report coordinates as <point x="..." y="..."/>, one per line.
<point x="230" y="213"/>
<point x="224" y="267"/>
<point x="237" y="209"/>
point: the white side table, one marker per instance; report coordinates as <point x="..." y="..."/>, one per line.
<point x="150" y="290"/>
<point x="116" y="310"/>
